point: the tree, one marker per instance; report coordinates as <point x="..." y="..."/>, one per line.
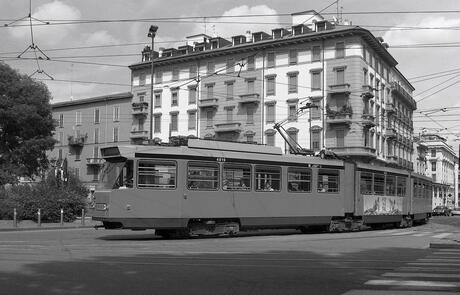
<point x="26" y="125"/>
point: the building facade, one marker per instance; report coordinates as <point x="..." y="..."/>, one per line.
<point x="238" y="89"/>
<point x="86" y="125"/>
<point x="442" y="167"/>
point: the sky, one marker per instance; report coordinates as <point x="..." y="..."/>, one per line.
<point x="426" y="45"/>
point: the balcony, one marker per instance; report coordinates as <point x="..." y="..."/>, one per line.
<point x="401" y="92"/>
<point x="250" y="98"/>
<point x="368" y="92"/>
<point x="94" y="161"/>
<point x="77" y="141"/>
<point x="228" y="127"/>
<point x="393" y="160"/>
<point x="209" y="103"/>
<point x="340" y="89"/>
<point x="355" y="151"/>
<point x="339" y="119"/>
<point x="390" y="108"/>
<point x="140" y="111"/>
<point x="368" y="119"/>
<point x="390" y="132"/>
<point x="140" y="104"/>
<point x="139" y="134"/>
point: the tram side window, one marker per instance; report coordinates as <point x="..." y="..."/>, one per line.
<point x="401" y="186"/>
<point x="391" y="185"/>
<point x="328" y="181"/>
<point x="156" y="174"/>
<point x="379" y="184"/>
<point x="268" y="178"/>
<point x="366" y="183"/>
<point x="236" y="177"/>
<point x="202" y="176"/>
<point x="299" y="180"/>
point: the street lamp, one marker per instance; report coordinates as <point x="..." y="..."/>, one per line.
<point x="151" y="34"/>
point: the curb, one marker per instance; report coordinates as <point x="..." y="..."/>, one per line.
<point x="44" y="228"/>
<point x="445" y="245"/>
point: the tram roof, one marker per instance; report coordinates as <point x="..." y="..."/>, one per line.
<point x="211" y="150"/>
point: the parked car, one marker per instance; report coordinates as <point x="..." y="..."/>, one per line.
<point x="455" y="211"/>
<point x="442" y="210"/>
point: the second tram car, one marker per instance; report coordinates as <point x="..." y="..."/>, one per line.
<point x="212" y="187"/>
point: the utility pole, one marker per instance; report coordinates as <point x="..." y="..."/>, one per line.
<point x="151" y="34"/>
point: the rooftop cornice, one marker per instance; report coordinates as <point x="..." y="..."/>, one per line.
<point x="109" y="97"/>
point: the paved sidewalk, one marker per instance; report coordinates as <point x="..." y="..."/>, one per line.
<point x="7" y="225"/>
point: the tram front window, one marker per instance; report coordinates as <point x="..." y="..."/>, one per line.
<point x="116" y="175"/>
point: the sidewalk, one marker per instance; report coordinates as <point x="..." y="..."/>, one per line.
<point x="7" y="225"/>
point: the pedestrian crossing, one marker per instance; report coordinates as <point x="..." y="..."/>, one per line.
<point x="415" y="233"/>
<point x="436" y="274"/>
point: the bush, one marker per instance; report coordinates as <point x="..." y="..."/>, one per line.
<point x="50" y="195"/>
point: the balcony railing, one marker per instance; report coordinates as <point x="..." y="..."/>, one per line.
<point x="228" y="127"/>
<point x="250" y="98"/>
<point x="77" y="141"/>
<point x="209" y="103"/>
<point x="357" y="151"/>
<point x="140" y="104"/>
<point x="368" y="119"/>
<point x="368" y="92"/>
<point x="340" y="88"/>
<point x="94" y="161"/>
<point x="339" y="119"/>
<point x="396" y="88"/>
<point x="392" y="160"/>
<point x="390" y="132"/>
<point x="139" y="134"/>
<point x="140" y="111"/>
<point x="390" y="108"/>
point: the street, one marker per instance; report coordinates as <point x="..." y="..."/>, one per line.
<point x="87" y="261"/>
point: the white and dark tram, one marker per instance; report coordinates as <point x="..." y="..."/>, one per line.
<point x="213" y="187"/>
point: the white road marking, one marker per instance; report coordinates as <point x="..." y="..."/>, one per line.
<point x="441" y="236"/>
<point x="403" y="233"/>
<point x="413" y="283"/>
<point x="422" y="234"/>
<point x="434" y="263"/>
<point x="397" y="292"/>
<point x="421" y="275"/>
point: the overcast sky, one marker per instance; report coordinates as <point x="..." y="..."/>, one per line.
<point x="397" y="29"/>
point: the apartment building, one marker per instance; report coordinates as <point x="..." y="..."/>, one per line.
<point x="86" y="125"/>
<point x="442" y="167"/>
<point x="334" y="86"/>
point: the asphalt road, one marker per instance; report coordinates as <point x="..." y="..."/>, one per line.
<point x="86" y="261"/>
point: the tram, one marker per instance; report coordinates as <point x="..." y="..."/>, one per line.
<point x="214" y="187"/>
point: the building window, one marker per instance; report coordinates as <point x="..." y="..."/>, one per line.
<point x="61" y="120"/>
<point x="96" y="116"/>
<point x="340" y="50"/>
<point x="315" y="81"/>
<point x="433" y="152"/>
<point x="340" y="137"/>
<point x="250" y="115"/>
<point x="96" y="135"/>
<point x="157" y="102"/>
<point x="271" y="83"/>
<point x="175" y="74"/>
<point x="60" y="154"/>
<point x="293" y="56"/>
<point x="251" y="63"/>
<point x="270" y="116"/>
<point x="78" y="118"/>
<point x="192" y="95"/>
<point x="96" y="152"/>
<point x="229" y="86"/>
<point x="116" y="113"/>
<point x="174" y="99"/>
<point x="316" y="53"/>
<point x="229" y="112"/>
<point x="192" y="71"/>
<point x="191" y="120"/>
<point x="157" y="123"/>
<point x="340" y="76"/>
<point x="292" y="139"/>
<point x="250" y="137"/>
<point x="209" y="118"/>
<point x="315" y="112"/>
<point x="158" y="77"/>
<point x="210" y="91"/>
<point x="78" y="155"/>
<point x="174" y="122"/>
<point x="433" y="166"/>
<point x="210" y="69"/>
<point x="292" y="83"/>
<point x="270" y="139"/>
<point x="230" y="66"/>
<point x="364" y="77"/>
<point x="315" y="140"/>
<point x="142" y="79"/>
<point x="251" y="87"/>
<point x="115" y="134"/>
<point x="270" y="59"/>
<point x="292" y="112"/>
<point x="77" y="171"/>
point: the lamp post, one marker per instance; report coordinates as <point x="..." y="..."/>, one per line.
<point x="151" y="34"/>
